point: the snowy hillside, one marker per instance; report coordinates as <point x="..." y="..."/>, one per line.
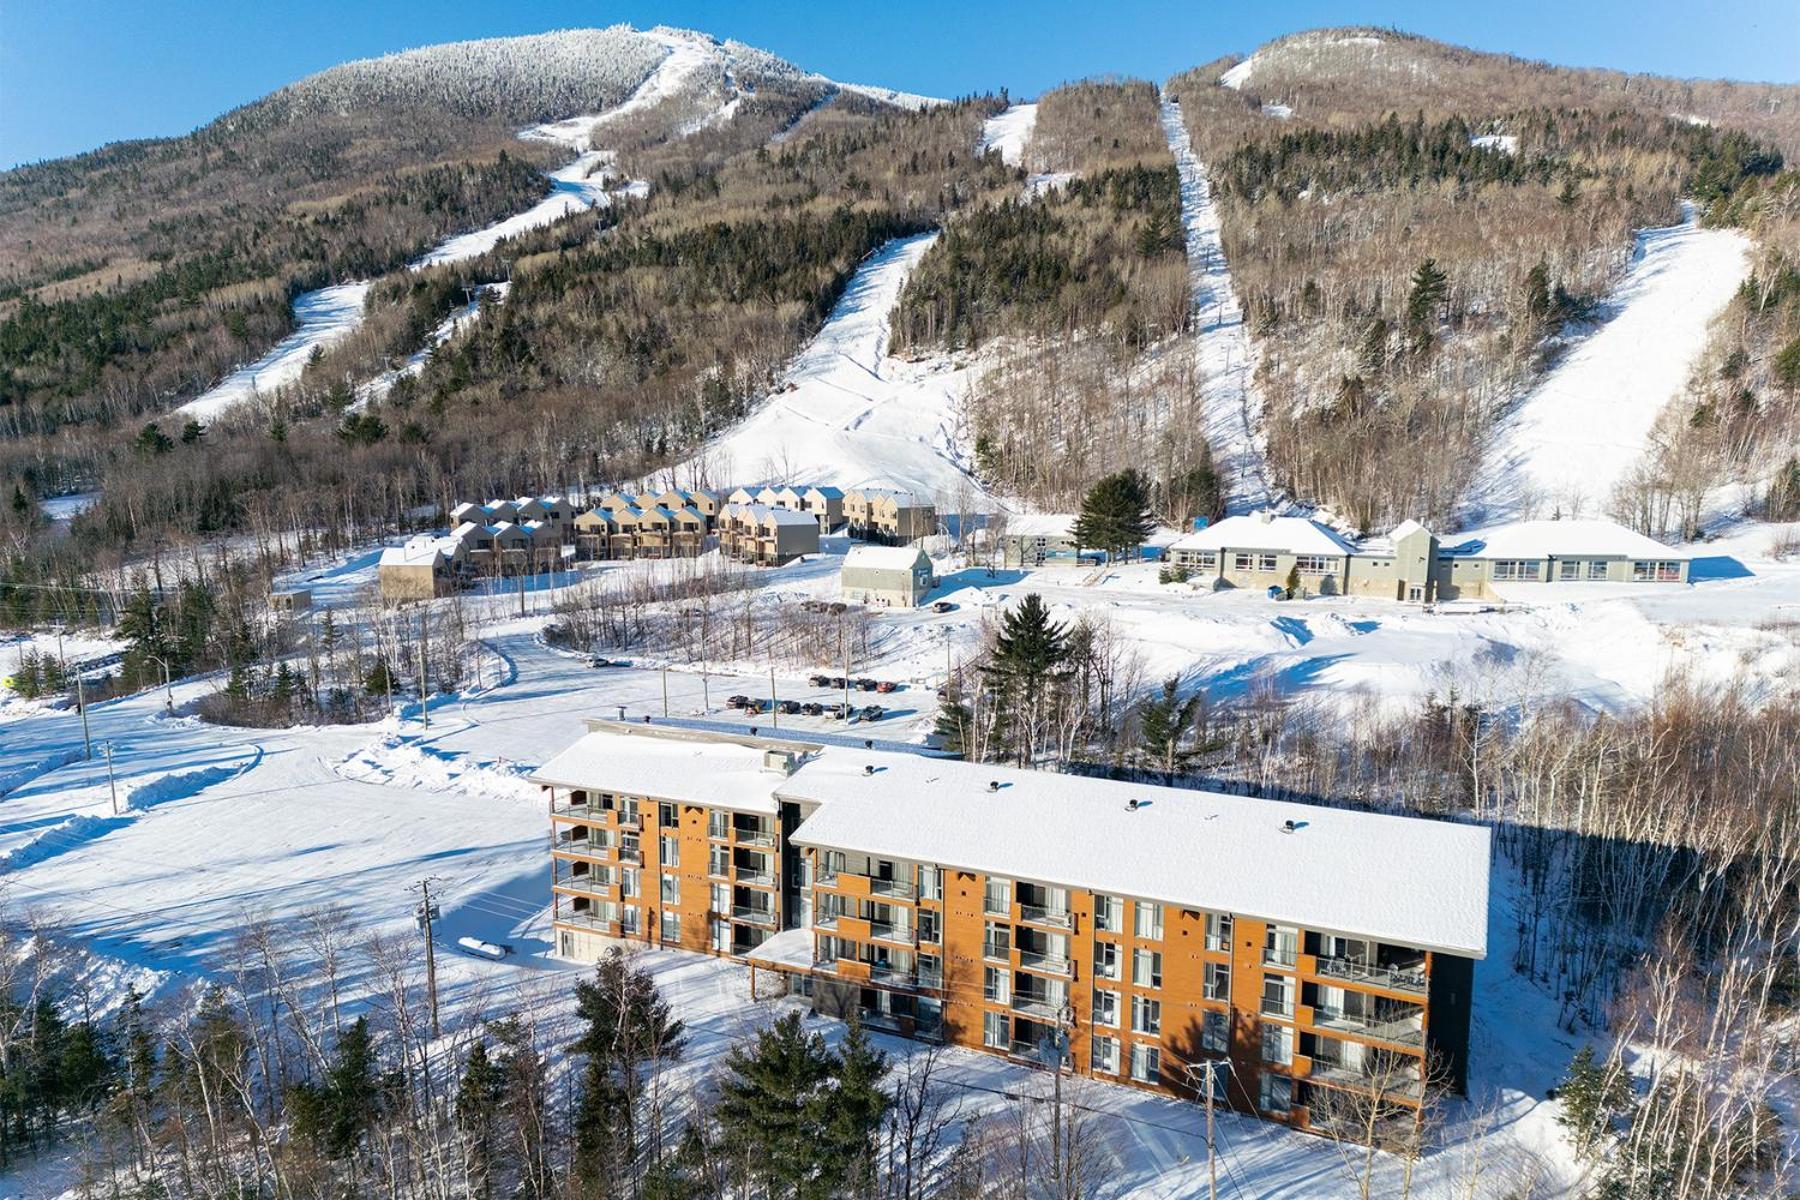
<point x="321" y="318"/>
<point x="1587" y="424"/>
<point x="848" y="413"/>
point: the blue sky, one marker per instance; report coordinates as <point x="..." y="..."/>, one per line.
<point x="77" y="73"/>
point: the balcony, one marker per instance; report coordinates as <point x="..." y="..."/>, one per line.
<point x="1286" y="960"/>
<point x="892" y="976"/>
<point x="1044" y="963"/>
<point x="1393" y="978"/>
<point x="1405" y="1031"/>
<point x="997" y="951"/>
<point x="1035" y="914"/>
<point x="1038" y="1005"/>
<point x="752" y="837"/>
<point x="752" y="915"/>
<point x="580" y="920"/>
<point x="1391" y="1086"/>
<point x="754" y="877"/>
<point x="897" y="889"/>
<point x="629" y="819"/>
<point x="587" y="885"/>
<point x="887" y="931"/>
<point x="1284" y="1009"/>
<point x="826" y="921"/>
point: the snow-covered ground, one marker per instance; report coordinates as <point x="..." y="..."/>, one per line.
<point x="850" y="414"/>
<point x="67" y="508"/>
<point x="1232" y="409"/>
<point x="378" y="387"/>
<point x="887" y="95"/>
<point x="1587" y="423"/>
<point x="321" y="317"/>
<point x="1007" y="132"/>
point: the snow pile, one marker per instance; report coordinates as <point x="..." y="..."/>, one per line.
<point x="1505" y="143"/>
<point x="15" y="777"/>
<point x="1232" y="410"/>
<point x="398" y="761"/>
<point x="847" y="413"/>
<point x="321" y="318"/>
<point x="1007" y="132"/>
<point x="1587" y="423"/>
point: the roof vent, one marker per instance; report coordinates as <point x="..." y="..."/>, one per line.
<point x="993" y="785"/>
<point x="868" y="768"/>
<point x="1131" y="805"/>
<point x="1288" y="827"/>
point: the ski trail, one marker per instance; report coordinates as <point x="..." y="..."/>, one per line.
<point x="321" y="318"/>
<point x="846" y="412"/>
<point x="1231" y="410"/>
<point x="1008" y="132"/>
<point x="1587" y="423"/>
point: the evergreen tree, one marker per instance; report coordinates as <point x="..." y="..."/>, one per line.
<point x="1539" y="300"/>
<point x="1030" y="649"/>
<point x="1165" y="720"/>
<point x="333" y="1115"/>
<point x="380" y="681"/>
<point x="1592" y="1097"/>
<point x="629" y="1026"/>
<point x="1429" y="288"/>
<point x="1292" y="584"/>
<point x="955" y="725"/>
<point x="478" y="1096"/>
<point x="1786" y="365"/>
<point x="192" y="433"/>
<point x="769" y="1109"/>
<point x="854" y="1110"/>
<point x="1115" y="515"/>
<point x="1374" y="349"/>
<point x="151" y="440"/>
<point x="21" y="503"/>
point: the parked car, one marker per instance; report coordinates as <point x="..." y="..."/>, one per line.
<point x="812" y="710"/>
<point x="865" y="685"/>
<point x="789" y="707"/>
<point x="597" y="661"/>
<point x="837" y="712"/>
<point x="754" y="708"/>
<point x="887" y="685"/>
<point x="819" y="680"/>
<point x="838" y="606"/>
<point x="943" y="606"/>
<point x="737" y="702"/>
<point x="873" y="712"/>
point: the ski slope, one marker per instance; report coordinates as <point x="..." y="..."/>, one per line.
<point x="1008" y="132"/>
<point x="321" y="318"/>
<point x="847" y="413"/>
<point x="1587" y="424"/>
<point x="1231" y="409"/>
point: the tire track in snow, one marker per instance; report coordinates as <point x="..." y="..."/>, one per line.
<point x="1231" y="410"/>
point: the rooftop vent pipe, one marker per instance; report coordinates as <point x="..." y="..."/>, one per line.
<point x="868" y="768"/>
<point x="993" y="785"/>
<point x="1288" y="827"/>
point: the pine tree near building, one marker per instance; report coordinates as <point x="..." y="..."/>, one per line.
<point x="1115" y="516"/>
<point x="629" y="1027"/>
<point x="770" y="1110"/>
<point x="1164" y="722"/>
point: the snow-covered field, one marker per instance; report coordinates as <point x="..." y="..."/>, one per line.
<point x="1587" y="423"/>
<point x="850" y="414"/>
<point x="1233" y="411"/>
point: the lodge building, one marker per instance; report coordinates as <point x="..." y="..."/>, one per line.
<point x="1132" y="933"/>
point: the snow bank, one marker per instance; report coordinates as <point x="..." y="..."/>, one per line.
<point x="1232" y="412"/>
<point x="400" y="761"/>
<point x="1586" y="425"/>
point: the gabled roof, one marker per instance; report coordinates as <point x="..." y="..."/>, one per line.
<point x="885" y="558"/>
<point x="1559" y="539"/>
<point x="1040" y="525"/>
<point x="826" y="491"/>
<point x="1264" y="531"/>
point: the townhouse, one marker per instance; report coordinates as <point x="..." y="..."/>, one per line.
<point x="1320" y="960"/>
<point x="766" y="535"/>
<point x="1413" y="563"/>
<point x="888" y="516"/>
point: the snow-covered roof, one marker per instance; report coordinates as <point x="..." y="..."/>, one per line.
<point x="1040" y="525"/>
<point x="671" y="764"/>
<point x="791" y="948"/>
<point x="903" y="499"/>
<point x="1402" y="879"/>
<point x="1560" y="539"/>
<point x="1264" y="531"/>
<point x="829" y="493"/>
<point x="410" y="555"/>
<point x="885" y="558"/>
<point x="772" y="514"/>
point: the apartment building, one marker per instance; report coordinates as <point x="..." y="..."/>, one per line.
<point x="1412" y="563"/>
<point x="888" y="516"/>
<point x="765" y="535"/>
<point x="1318" y="958"/>
<point x="886" y="576"/>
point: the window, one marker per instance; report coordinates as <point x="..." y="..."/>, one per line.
<point x="1569" y="568"/>
<point x="993" y="1030"/>
<point x="996" y="985"/>
<point x="1215" y="1032"/>
<point x="668" y="850"/>
<point x="931" y="970"/>
<point x="718" y="861"/>
<point x="1146" y="1064"/>
<point x="1281" y="946"/>
<point x="1277" y="1044"/>
<point x="671" y="927"/>
<point x="1253" y="562"/>
<point x="1106" y="1008"/>
<point x="931" y="883"/>
<point x="1218" y="932"/>
<point x="1525" y="570"/>
<point x="997" y="897"/>
<point x="1109" y="914"/>
<point x="671" y="889"/>
<point x="667" y="815"/>
<point x="1656" y="572"/>
<point x="1277" y="1094"/>
<point x="1218" y="982"/>
<point x="1278" y="996"/>
<point x="1106" y="960"/>
<point x="997" y="942"/>
<point x="1106" y="1055"/>
<point x="1315" y="564"/>
<point x="628" y="881"/>
<point x="721" y="899"/>
<point x="718" y="824"/>
<point x="1597" y="569"/>
<point x="1149" y="920"/>
<point x="1146" y="1015"/>
<point x="928" y="925"/>
<point x="1146" y="968"/>
<point x="629" y="922"/>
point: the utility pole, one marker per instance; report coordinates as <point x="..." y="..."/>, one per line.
<point x="1205" y="1070"/>
<point x="665" y="675"/>
<point x="521" y="593"/>
<point x="87" y="740"/>
<point x="774" y="704"/>
<point x="424" y="653"/>
<point x="111" y="786"/>
<point x="426" y="916"/>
